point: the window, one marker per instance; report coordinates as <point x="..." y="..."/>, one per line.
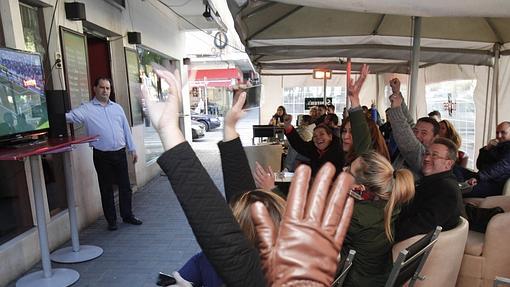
<point x="463" y="117"/>
<point x="158" y="89"/>
<point x="294" y="98"/>
<point x="15" y="210"/>
<point x="33" y="29"/>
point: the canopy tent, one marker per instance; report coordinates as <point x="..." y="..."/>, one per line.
<point x="279" y="35"/>
<point x="293" y="37"/>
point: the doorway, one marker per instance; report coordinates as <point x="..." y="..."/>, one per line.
<point x="99" y="60"/>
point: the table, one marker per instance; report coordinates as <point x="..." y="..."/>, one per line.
<point x="60" y="276"/>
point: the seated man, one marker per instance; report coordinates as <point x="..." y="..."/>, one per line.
<point x="437" y="198"/>
<point x="493" y="165"/>
<point x="412" y="142"/>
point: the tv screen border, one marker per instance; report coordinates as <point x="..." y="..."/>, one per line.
<point x="33" y="133"/>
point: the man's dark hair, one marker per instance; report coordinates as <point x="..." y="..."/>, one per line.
<point x="307" y="119"/>
<point x="96" y="82"/>
<point x="332" y="118"/>
<point x="434" y="113"/>
<point x="322" y="106"/>
<point x="431" y="121"/>
<point x="452" y="147"/>
<point x="330" y="106"/>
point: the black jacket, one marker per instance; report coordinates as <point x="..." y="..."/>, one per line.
<point x="333" y="154"/>
<point x="215" y="228"/>
<point x="494" y="164"/>
<point x="237" y="176"/>
<point x="437" y="201"/>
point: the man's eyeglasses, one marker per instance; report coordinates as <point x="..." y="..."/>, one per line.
<point x="435" y="156"/>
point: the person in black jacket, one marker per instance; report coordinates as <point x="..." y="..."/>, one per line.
<point x="240" y="192"/>
<point x="493" y="165"/>
<point x="217" y="232"/>
<point x="324" y="147"/>
<point x="437" y="200"/>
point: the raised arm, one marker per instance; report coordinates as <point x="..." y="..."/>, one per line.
<point x="305" y="148"/>
<point x="410" y="147"/>
<point x="212" y="222"/>
<point x="237" y="176"/>
<point x="395" y="89"/>
<point x="362" y="141"/>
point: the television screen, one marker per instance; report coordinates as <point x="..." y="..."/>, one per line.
<point x="22" y="99"/>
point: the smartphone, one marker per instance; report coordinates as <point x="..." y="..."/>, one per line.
<point x="165" y="279"/>
<point x="252" y="97"/>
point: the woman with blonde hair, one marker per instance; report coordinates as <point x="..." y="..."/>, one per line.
<point x="379" y="190"/>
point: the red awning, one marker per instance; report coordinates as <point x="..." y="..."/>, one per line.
<point x="215" y="74"/>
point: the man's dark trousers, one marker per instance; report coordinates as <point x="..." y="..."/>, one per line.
<point x="112" y="165"/>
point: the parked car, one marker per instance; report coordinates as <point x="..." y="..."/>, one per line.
<point x="210" y="122"/>
<point x="197" y="129"/>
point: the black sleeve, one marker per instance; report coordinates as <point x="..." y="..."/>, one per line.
<point x="237" y="175"/>
<point x="304" y="148"/>
<point x="210" y="218"/>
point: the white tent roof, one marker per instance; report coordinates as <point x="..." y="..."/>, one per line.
<point x="281" y="35"/>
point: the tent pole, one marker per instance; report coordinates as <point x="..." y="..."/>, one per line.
<point x="494" y="96"/>
<point x="487" y="107"/>
<point x="415" y="64"/>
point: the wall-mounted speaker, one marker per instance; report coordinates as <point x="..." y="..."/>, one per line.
<point x="75" y="11"/>
<point x="58" y="104"/>
<point x="134" y="37"/>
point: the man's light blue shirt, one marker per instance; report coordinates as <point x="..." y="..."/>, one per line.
<point x="108" y="122"/>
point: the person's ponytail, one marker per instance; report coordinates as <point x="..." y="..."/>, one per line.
<point x="402" y="192"/>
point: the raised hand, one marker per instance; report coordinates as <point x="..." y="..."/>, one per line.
<point x="354" y="87"/>
<point x="312" y="231"/>
<point x="395" y="85"/>
<point x="233" y="116"/>
<point x="165" y="115"/>
<point x="264" y="178"/>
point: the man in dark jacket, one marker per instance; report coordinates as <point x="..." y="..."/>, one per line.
<point x="493" y="165"/>
<point x="437" y="200"/>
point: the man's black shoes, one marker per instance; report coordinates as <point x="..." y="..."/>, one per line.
<point x="132" y="220"/>
<point x="112" y="226"/>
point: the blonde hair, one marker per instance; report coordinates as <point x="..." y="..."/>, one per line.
<point x="241" y="209"/>
<point x="378" y="176"/>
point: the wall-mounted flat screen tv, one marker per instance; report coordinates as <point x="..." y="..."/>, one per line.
<point x="23" y="107"/>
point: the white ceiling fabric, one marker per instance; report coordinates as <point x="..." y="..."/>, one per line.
<point x="436" y="8"/>
<point x="455" y="31"/>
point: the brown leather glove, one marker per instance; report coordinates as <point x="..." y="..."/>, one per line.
<point x="304" y="251"/>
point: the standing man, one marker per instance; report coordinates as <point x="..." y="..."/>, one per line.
<point x="106" y="119"/>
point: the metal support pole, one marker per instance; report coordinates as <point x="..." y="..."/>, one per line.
<point x="415" y="64"/>
<point x="77" y="253"/>
<point x="37" y="183"/>
<point x="58" y="277"/>
<point x="494" y="96"/>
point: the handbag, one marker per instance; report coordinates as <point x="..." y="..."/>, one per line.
<point x="479" y="218"/>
